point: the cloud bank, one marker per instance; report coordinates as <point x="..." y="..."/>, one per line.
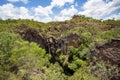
<point x="99" y="9"/>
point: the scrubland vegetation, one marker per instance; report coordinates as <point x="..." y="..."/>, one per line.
<point x="31" y="50"/>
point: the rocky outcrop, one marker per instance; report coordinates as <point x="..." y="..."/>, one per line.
<point x="109" y="56"/>
<point x="109" y="52"/>
<point x="52" y="46"/>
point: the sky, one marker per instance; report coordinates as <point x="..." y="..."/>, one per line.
<point x="58" y="10"/>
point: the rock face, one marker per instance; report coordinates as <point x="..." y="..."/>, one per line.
<point x="109" y="52"/>
<point x="33" y="36"/>
<point x="50" y="44"/>
<point x="53" y="46"/>
<point x="56" y="47"/>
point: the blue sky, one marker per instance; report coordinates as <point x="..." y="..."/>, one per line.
<point x="58" y="10"/>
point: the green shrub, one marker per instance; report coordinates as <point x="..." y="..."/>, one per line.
<point x="83" y="73"/>
<point x="27" y="57"/>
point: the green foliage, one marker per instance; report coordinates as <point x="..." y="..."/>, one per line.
<point x="111" y="34"/>
<point x="28" y="52"/>
<point x="83" y="74"/>
<point x="7" y="42"/>
<point x="22" y="60"/>
<point x="76" y="58"/>
<point x="11" y="25"/>
<point x="85" y="38"/>
<point x="107" y="36"/>
<point x="63" y="59"/>
<point x="27" y="57"/>
<point x="105" y="72"/>
<point x="54" y="72"/>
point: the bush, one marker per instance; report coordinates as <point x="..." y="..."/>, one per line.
<point x="77" y="58"/>
<point x="83" y="73"/>
<point x="7" y="43"/>
<point x="28" y="57"/>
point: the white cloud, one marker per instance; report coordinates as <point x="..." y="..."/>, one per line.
<point x="66" y="14"/>
<point x="24" y="1"/>
<point x="69" y="12"/>
<point x="93" y="8"/>
<point x="45" y="19"/>
<point x="13" y="1"/>
<point x="42" y="11"/>
<point x="60" y="3"/>
<point x="12" y="12"/>
<point x="115" y="16"/>
<point x="39" y="13"/>
<point x="9" y="11"/>
<point x="99" y="8"/>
